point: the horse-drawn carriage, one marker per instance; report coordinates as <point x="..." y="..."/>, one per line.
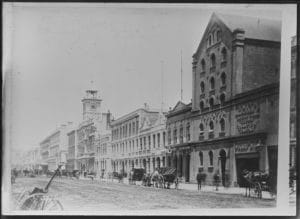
<point x="257" y="181"/>
<point x="161" y="178"/>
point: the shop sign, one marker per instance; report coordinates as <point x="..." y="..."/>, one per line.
<point x="245" y="148"/>
<point x="247" y="117"/>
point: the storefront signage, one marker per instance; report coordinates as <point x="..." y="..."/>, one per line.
<point x="245" y="148"/>
<point x="247" y="117"/>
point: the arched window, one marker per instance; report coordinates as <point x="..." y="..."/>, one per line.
<point x="181" y="134"/>
<point x="188" y="135"/>
<point x="211" y="102"/>
<point x="201" y="105"/>
<point x="201" y="127"/>
<point x="202" y="86"/>
<point x="201" y="158"/>
<point x="219" y="35"/>
<point x="212" y="83"/>
<point x="224" y="54"/>
<point x="202" y="65"/>
<point x="222" y="125"/>
<point x="211" y="126"/>
<point x="211" y="158"/>
<point x="222" y="99"/>
<point x="169" y="136"/>
<point x="213" y="60"/>
<point x="175" y="136"/>
<point x="223" y="78"/>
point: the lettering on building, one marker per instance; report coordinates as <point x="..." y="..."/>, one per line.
<point x="247" y="117"/>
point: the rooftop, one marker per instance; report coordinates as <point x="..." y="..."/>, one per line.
<point x="254" y="27"/>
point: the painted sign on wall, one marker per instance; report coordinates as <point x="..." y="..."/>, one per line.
<point x="245" y="148"/>
<point x="247" y="117"/>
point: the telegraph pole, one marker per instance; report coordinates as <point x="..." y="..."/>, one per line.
<point x="162" y="85"/>
<point x="181" y="90"/>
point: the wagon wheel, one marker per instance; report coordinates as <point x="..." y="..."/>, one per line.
<point x="41" y="202"/>
<point x="257" y="189"/>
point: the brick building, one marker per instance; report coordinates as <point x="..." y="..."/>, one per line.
<point x="138" y="140"/>
<point x="232" y="122"/>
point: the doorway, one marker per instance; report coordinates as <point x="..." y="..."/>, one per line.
<point x="248" y="163"/>
<point x="223" y="165"/>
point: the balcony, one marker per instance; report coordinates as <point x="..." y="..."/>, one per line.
<point x="222" y="134"/>
<point x="202" y="74"/>
<point x="201" y="137"/>
<point x="212" y="69"/>
<point x="212" y="92"/>
<point x="223" y="88"/>
<point x="211" y="135"/>
<point x="202" y="96"/>
<point x="223" y="64"/>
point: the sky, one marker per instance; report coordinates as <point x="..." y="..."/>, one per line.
<point x="56" y="50"/>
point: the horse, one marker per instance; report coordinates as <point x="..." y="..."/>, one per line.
<point x="158" y="180"/>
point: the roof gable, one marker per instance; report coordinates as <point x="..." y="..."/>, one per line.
<point x="179" y="106"/>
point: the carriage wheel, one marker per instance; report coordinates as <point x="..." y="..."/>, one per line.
<point x="257" y="189"/>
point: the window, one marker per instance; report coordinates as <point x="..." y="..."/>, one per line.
<point x="213" y="60"/>
<point x="202" y="86"/>
<point x="222" y="99"/>
<point x="133" y="128"/>
<point x="211" y="102"/>
<point x="137" y="126"/>
<point x="201" y="105"/>
<point x="141" y="143"/>
<point x="144" y="142"/>
<point x="211" y="126"/>
<point x="224" y="55"/>
<point x="149" y="141"/>
<point x="210" y="40"/>
<point x="201" y="158"/>
<point x="202" y="65"/>
<point x="164" y="138"/>
<point x="129" y="129"/>
<point x="153" y="141"/>
<point x="222" y="125"/>
<point x="169" y="136"/>
<point x="211" y="161"/>
<point x="175" y="136"/>
<point x="201" y="127"/>
<point x="188" y="135"/>
<point x="181" y="134"/>
<point x="158" y="140"/>
<point x="219" y="35"/>
<point x="212" y="83"/>
<point x="223" y="79"/>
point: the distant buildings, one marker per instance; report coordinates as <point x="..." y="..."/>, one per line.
<point x="54" y="147"/>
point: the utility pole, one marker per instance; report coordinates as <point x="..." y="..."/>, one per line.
<point x="181" y="91"/>
<point x="162" y="85"/>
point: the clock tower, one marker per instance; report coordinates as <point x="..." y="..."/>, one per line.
<point x="91" y="105"/>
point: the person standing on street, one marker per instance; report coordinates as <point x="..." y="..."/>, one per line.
<point x="199" y="179"/>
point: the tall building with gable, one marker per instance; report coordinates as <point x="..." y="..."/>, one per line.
<point x="231" y="123"/>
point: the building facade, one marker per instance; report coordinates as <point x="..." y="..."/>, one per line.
<point x="139" y="141"/>
<point x="54" y="148"/>
<point x="103" y="155"/>
<point x="83" y="139"/>
<point x="232" y="122"/>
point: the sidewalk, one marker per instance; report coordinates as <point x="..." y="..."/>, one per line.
<point x="204" y="188"/>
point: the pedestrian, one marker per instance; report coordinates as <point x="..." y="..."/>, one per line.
<point x="199" y="179"/>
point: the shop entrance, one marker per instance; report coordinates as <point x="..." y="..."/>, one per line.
<point x="250" y="163"/>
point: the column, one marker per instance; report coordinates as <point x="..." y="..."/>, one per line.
<point x="161" y="162"/>
<point x="148" y="165"/>
<point x="233" y="163"/>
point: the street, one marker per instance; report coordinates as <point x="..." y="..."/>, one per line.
<point x="87" y="195"/>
